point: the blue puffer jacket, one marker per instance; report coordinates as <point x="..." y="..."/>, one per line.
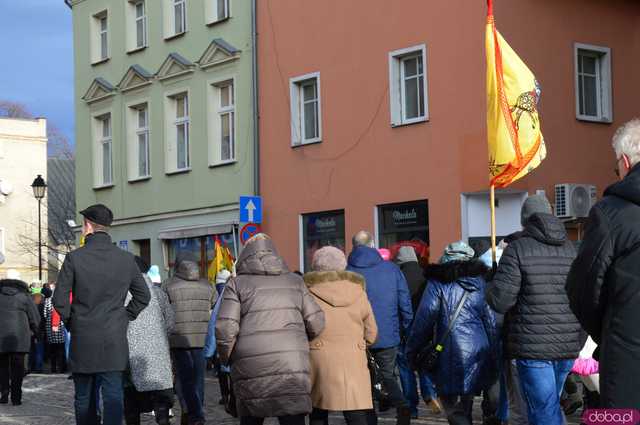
<point x="468" y="363"/>
<point x="388" y="294"/>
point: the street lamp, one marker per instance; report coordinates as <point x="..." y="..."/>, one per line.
<point x="39" y="188"/>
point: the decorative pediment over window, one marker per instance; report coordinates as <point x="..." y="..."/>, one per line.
<point x="135" y="77"/>
<point x="218" y="52"/>
<point x="173" y="66"/>
<point x="98" y="90"/>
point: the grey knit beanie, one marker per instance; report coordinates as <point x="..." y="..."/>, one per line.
<point x="406" y="254"/>
<point x="328" y="259"/>
<point x="457" y="251"/>
<point x="534" y="204"/>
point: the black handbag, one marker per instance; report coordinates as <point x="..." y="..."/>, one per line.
<point x="427" y="359"/>
<point x="377" y="385"/>
<point x="227" y="393"/>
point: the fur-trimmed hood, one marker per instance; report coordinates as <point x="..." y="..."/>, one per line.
<point x="337" y="288"/>
<point x="463" y="272"/>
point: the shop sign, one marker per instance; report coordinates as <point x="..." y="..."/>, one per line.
<point x="405" y="215"/>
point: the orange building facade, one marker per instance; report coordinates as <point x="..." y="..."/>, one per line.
<point x="373" y="113"/>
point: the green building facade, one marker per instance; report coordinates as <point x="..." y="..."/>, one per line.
<point x="165" y="129"/>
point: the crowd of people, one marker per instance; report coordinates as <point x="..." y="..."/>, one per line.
<point x="358" y="334"/>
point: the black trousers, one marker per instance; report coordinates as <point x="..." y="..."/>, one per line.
<point x="136" y="403"/>
<point x="284" y="420"/>
<point x="11" y="375"/>
<point x="58" y="358"/>
<point x="352" y="417"/>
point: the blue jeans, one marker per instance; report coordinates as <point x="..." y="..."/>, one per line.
<point x="37" y="356"/>
<point x="190" y="371"/>
<point x="410" y="385"/>
<point x="542" y="382"/>
<point x="87" y="387"/>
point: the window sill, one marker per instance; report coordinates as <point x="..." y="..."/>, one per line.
<point x="595" y="120"/>
<point x="219" y="21"/>
<point x="140" y="179"/>
<point x="410" y="122"/>
<point x="181" y="171"/>
<point x="222" y="163"/>
<point x="99" y="62"/>
<point x="175" y="36"/>
<point x="312" y="142"/>
<point x="136" y="50"/>
<point x="104" y="186"/>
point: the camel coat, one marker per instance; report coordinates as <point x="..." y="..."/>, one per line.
<point x="339" y="373"/>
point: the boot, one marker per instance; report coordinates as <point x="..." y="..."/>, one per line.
<point x="184" y="419"/>
<point x="435" y="406"/>
<point x="403" y="415"/>
<point x="162" y="415"/>
<point x="5" y="398"/>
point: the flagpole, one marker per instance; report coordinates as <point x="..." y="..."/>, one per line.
<point x="493" y="224"/>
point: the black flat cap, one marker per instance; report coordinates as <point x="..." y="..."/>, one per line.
<point x="98" y="214"/>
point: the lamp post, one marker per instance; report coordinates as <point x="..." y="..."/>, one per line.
<point x="39" y="188"/>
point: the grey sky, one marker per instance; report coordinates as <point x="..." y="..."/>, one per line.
<point x="36" y="58"/>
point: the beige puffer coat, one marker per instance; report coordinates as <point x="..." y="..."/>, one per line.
<point x="266" y="320"/>
<point x="339" y="372"/>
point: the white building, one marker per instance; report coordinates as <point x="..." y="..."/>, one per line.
<point x="23" y="156"/>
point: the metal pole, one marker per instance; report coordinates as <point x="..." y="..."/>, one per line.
<point x="39" y="241"/>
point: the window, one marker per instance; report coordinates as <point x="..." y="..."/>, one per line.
<point x="138" y="142"/>
<point x="403" y="222"/>
<point x="408" y="88"/>
<point x="179" y="16"/>
<point x="100" y="37"/>
<point x="177" y="133"/>
<point x="216" y="10"/>
<point x="202" y="248"/>
<point x="2" y="235"/>
<point x="593" y="83"/>
<point x="104" y="151"/>
<point x="320" y="230"/>
<point x="141" y="25"/>
<point x="226" y="115"/>
<point x="306" y="120"/>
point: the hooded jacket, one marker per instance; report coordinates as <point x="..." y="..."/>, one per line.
<point x="339" y="373"/>
<point x="604" y="289"/>
<point x="192" y="299"/>
<point x="468" y="362"/>
<point x="266" y="320"/>
<point x="529" y="288"/>
<point x="19" y="317"/>
<point x="388" y="294"/>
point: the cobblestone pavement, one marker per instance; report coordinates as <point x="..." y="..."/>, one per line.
<point x="48" y="400"/>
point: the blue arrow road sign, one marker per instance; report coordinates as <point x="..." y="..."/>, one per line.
<point x="250" y="209"/>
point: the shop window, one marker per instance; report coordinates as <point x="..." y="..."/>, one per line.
<point x="202" y="248"/>
<point x="319" y="230"/>
<point x="143" y="249"/>
<point x="401" y="222"/>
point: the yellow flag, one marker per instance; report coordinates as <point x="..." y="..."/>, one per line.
<point x="516" y="145"/>
<point x="217" y="263"/>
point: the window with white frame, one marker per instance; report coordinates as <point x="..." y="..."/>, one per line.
<point x="217" y="10"/>
<point x="100" y="37"/>
<point x="177" y="132"/>
<point x="593" y="83"/>
<point x="179" y="16"/>
<point x="222" y="126"/>
<point x="141" y="24"/>
<point x="104" y="150"/>
<point x="306" y="116"/>
<point x="138" y="142"/>
<point x="408" y="85"/>
<point x="2" y="236"/>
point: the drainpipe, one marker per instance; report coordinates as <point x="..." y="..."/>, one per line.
<point x="256" y="118"/>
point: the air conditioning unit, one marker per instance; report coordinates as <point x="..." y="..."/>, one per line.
<point x="575" y="200"/>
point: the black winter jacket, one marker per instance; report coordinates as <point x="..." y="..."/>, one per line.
<point x="100" y="275"/>
<point x="604" y="290"/>
<point x="416" y="281"/>
<point x="529" y="288"/>
<point x="19" y="317"/>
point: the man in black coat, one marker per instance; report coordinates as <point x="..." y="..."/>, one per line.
<point x="540" y="332"/>
<point x="604" y="283"/>
<point x="19" y="318"/>
<point x="98" y="276"/>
